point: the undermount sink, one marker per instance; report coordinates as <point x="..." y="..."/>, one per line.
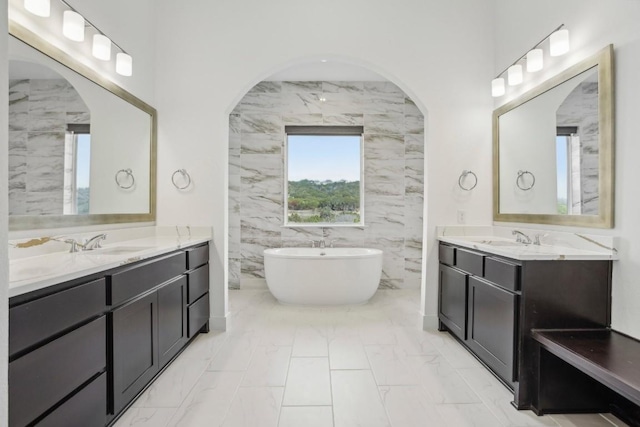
<point x="117" y="250"/>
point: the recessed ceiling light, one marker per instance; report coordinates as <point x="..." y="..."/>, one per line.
<point x="323" y="60"/>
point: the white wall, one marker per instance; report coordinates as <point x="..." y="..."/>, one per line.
<point x="211" y="53"/>
<point x="4" y="211"/>
<point x="593" y="25"/>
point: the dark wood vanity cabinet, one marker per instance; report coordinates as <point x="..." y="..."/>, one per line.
<point x="493" y="313"/>
<point x="491" y="304"/>
<point x="80" y="352"/>
<point x="452" y="300"/>
<point x="480" y="312"/>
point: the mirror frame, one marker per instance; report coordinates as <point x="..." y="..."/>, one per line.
<point x="604" y="61"/>
<point x="30" y="222"/>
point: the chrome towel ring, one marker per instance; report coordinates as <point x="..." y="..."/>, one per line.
<point x="185" y="176"/>
<point x="124" y="175"/>
<point x="520" y="178"/>
<point x="462" y="178"/>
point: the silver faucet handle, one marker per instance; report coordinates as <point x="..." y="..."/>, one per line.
<point x="74" y="245"/>
<point x="537" y="237"/>
<point x="313" y="243"/>
<point x="521" y="237"/>
<point x="94" y="242"/>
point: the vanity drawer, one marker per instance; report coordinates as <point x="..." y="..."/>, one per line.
<point x="502" y="273"/>
<point x="447" y="254"/>
<point x="40" y="379"/>
<point x="87" y="408"/>
<point x="198" y="314"/>
<point x="198" y="283"/>
<point x="40" y="319"/>
<point x="197" y="256"/>
<point x="133" y="281"/>
<point x="469" y="261"/>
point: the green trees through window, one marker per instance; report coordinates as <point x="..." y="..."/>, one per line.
<point x="324" y="179"/>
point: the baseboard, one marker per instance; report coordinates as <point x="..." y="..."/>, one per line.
<point x="253" y="284"/>
<point x="218" y="323"/>
<point x="429" y="322"/>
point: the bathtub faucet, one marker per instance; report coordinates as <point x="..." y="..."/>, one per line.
<point x="322" y="244"/>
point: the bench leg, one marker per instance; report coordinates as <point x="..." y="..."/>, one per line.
<point x="561" y="388"/>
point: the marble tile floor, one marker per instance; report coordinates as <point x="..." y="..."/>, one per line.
<point x="369" y="365"/>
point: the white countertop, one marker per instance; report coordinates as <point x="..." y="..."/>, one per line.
<point x="556" y="246"/>
<point x="31" y="273"/>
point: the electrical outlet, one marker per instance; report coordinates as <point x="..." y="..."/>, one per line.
<point x="462" y="216"/>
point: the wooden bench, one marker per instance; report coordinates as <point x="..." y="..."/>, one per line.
<point x="610" y="360"/>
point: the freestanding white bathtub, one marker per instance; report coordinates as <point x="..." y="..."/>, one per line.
<point x="317" y="276"/>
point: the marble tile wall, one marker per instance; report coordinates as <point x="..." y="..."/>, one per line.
<point x="39" y="110"/>
<point x="580" y="109"/>
<point x="393" y="168"/>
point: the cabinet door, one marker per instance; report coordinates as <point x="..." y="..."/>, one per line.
<point x="172" y="319"/>
<point x="492" y="319"/>
<point x="135" y="348"/>
<point x="452" y="303"/>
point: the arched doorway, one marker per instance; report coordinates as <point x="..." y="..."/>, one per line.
<point x="393" y="161"/>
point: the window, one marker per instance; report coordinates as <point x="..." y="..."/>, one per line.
<point x="324" y="184"/>
<point x="568" y="161"/>
<point x="77" y="164"/>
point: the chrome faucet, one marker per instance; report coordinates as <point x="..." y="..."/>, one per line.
<point x="313" y="243"/>
<point x="521" y="237"/>
<point x="75" y="245"/>
<point x="94" y="242"/>
<point x="322" y="244"/>
<point x="537" y="237"/>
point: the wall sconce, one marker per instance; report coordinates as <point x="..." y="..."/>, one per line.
<point x="534" y="58"/>
<point x="73" y="28"/>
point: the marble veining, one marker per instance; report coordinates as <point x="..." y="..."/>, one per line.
<point x="39" y="111"/>
<point x="393" y="169"/>
<point x="580" y="109"/>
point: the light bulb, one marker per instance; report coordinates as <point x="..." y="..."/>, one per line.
<point x="38" y="7"/>
<point x="124" y="64"/>
<point x="73" y="26"/>
<point x="497" y="87"/>
<point x="101" y="47"/>
<point x="534" y="60"/>
<point x="514" y="75"/>
<point x="559" y="42"/>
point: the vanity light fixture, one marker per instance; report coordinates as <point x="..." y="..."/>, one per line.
<point x="535" y="60"/>
<point x="101" y="47"/>
<point x="514" y="75"/>
<point x="124" y="64"/>
<point x="73" y="26"/>
<point x="497" y="87"/>
<point x="559" y="42"/>
<point x="559" y="45"/>
<point x="38" y="7"/>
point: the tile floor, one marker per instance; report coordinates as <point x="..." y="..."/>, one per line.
<point x="369" y="365"/>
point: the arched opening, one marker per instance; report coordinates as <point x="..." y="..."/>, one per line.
<point x="336" y="92"/>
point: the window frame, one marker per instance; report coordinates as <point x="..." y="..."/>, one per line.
<point x="320" y="130"/>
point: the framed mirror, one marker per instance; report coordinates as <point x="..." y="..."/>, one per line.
<point x="553" y="149"/>
<point x="82" y="150"/>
